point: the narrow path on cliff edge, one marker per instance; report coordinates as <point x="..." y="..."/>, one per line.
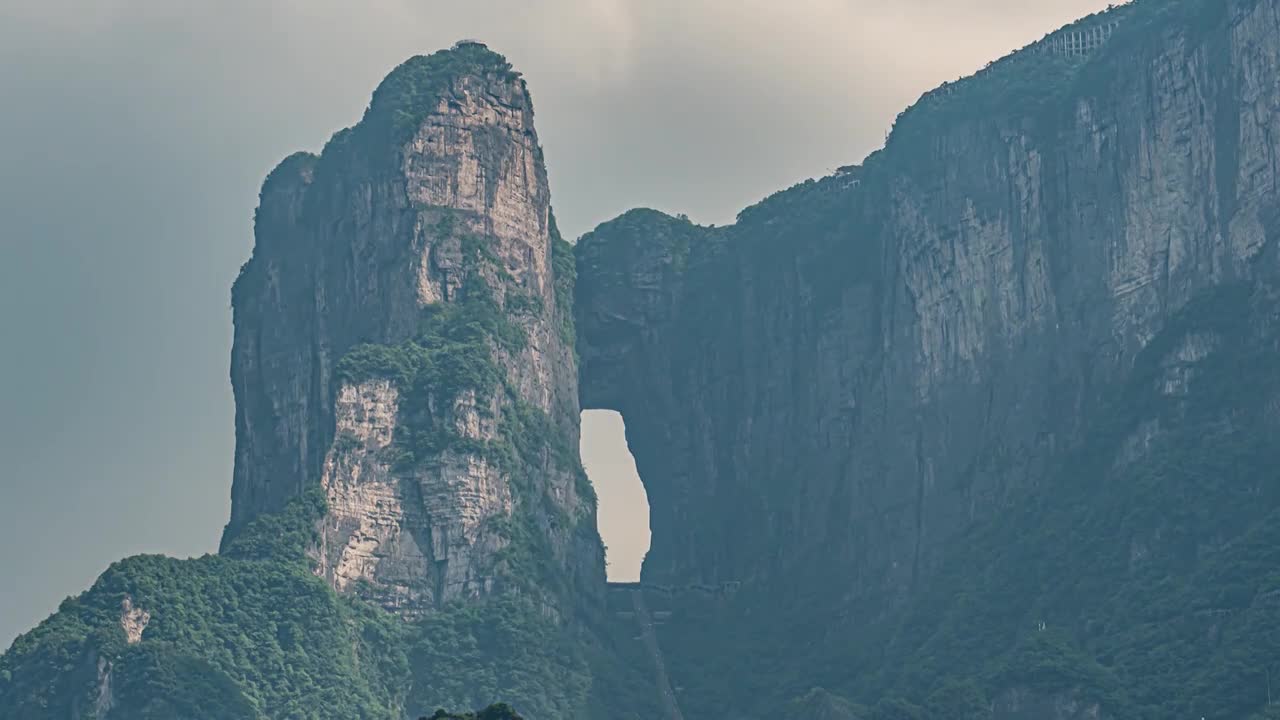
<point x="651" y="642"/>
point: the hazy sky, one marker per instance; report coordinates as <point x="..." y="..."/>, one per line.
<point x="134" y="135"/>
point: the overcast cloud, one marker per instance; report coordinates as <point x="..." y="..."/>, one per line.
<point x="134" y="135"/>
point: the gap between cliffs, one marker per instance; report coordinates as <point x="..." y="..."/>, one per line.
<point x="623" y="505"/>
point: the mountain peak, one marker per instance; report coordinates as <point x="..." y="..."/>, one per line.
<point x="414" y="89"/>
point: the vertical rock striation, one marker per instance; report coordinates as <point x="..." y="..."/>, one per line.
<point x="842" y="396"/>
<point x="400" y="341"/>
<point x="894" y="348"/>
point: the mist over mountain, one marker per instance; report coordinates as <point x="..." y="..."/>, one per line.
<point x="978" y="427"/>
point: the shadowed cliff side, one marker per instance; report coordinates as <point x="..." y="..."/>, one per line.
<point x="871" y="397"/>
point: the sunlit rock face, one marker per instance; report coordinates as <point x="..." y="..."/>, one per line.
<point x="439" y="197"/>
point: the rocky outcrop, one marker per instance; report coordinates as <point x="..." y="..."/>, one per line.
<point x="105" y="698"/>
<point x="378" y="515"/>
<point x="425" y="226"/>
<point x="133" y="621"/>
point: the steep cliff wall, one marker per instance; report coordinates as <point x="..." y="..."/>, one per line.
<point x="981" y="428"/>
<point x="840" y="396"/>
<point x="916" y="343"/>
<point x="400" y="340"/>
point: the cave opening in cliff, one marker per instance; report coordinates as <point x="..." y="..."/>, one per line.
<point x="623" y="512"/>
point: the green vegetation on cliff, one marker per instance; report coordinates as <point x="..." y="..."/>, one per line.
<point x="452" y="353"/>
<point x="455" y="354"/>
<point x="564" y="265"/>
<point x="414" y="89"/>
<point x="248" y="634"/>
<point x="1138" y="580"/>
<point x="253" y="635"/>
<point x="1132" y="574"/>
<point x="506" y="647"/>
<point x="1149" y="573"/>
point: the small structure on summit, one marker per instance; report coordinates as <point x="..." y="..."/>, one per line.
<point x="1079" y="42"/>
<point x="850" y="177"/>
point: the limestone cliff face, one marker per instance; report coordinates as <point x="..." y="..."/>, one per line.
<point x="901" y="344"/>
<point x="833" y="395"/>
<point x="436" y="204"/>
